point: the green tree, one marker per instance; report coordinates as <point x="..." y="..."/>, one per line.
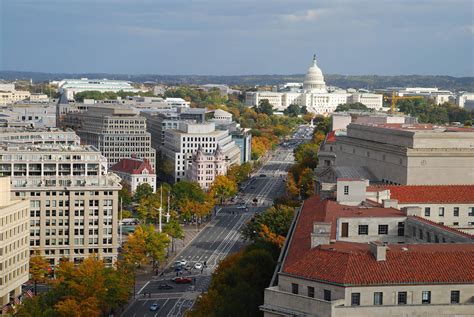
<point x="188" y="190"/>
<point x="276" y="219"/>
<point x="223" y="188"/>
<point x="264" y="106"/>
<point x="143" y="190"/>
<point x="352" y="106"/>
<point x="124" y="195"/>
<point x="174" y="230"/>
<point x="293" y="110"/>
<point x="306" y="183"/>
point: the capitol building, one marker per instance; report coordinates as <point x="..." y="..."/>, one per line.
<point x="314" y="94"/>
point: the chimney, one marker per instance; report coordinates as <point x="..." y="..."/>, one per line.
<point x="321" y="233"/>
<point x="390" y="203"/>
<point x="378" y="250"/>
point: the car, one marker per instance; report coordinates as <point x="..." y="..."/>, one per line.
<point x="165" y="286"/>
<point x="242" y="207"/>
<point x="181" y="263"/>
<point x="154" y="307"/>
<point x="182" y="280"/>
<point x="198" y="266"/>
<point x="263" y="175"/>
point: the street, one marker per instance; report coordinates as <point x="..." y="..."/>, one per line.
<point x="219" y="238"/>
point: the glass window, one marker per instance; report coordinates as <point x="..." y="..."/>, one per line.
<point x="311" y="291"/>
<point x="427" y="211"/>
<point x="426" y="297"/>
<point x="402" y="298"/>
<point x="441" y="211"/>
<point x="327" y="295"/>
<point x="355" y="299"/>
<point x="456" y="211"/>
<point x="455" y="297"/>
<point x="363" y="229"/>
<point x="378" y="298"/>
<point x="383" y="229"/>
<point x="346" y="190"/>
<point x="294" y="288"/>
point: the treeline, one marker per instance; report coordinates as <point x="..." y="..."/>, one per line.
<point x="428" y="112"/>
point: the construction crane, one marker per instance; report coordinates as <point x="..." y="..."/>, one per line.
<point x="395" y="98"/>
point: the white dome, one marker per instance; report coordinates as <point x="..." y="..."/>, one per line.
<point x="314" y="79"/>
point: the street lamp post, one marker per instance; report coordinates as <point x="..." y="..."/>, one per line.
<point x="160" y="210"/>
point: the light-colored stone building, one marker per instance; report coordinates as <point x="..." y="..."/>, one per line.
<point x="351" y="257"/>
<point x="315" y="96"/>
<point x="407" y="154"/>
<point x="73" y="199"/>
<point x="116" y="131"/>
<point x="204" y="168"/>
<point x="14" y="243"/>
<point x="181" y="144"/>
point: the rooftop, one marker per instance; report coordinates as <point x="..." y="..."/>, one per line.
<point x="132" y="166"/>
<point x="428" y="193"/>
<point x="419" y="127"/>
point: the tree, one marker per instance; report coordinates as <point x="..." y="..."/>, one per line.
<point x="174" y="230"/>
<point x="264" y="106"/>
<point x="124" y="195"/>
<point x="306" y="183"/>
<point x="143" y="190"/>
<point x="155" y="244"/>
<point x="39" y="269"/>
<point x="148" y="207"/>
<point x="352" y="106"/>
<point x="291" y="187"/>
<point x="223" y="188"/>
<point x="293" y="110"/>
<point x="134" y="250"/>
<point x="188" y="190"/>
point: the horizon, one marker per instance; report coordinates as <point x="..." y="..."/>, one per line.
<point x="243" y="38"/>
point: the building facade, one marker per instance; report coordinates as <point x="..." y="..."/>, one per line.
<point x="204" y="168"/>
<point x="69" y="87"/>
<point x="315" y="96"/>
<point x="73" y="199"/>
<point x="117" y="132"/>
<point x="14" y="243"/>
<point x="181" y="144"/>
<point x="135" y="172"/>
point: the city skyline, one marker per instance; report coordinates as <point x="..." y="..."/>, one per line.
<point x="238" y="38"/>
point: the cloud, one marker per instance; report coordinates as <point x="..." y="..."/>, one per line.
<point x="308" y="15"/>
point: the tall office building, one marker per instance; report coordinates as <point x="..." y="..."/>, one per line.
<point x="73" y="198"/>
<point x="117" y="132"/>
<point x="14" y="246"/>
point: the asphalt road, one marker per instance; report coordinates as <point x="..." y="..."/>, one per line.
<point x="218" y="239"/>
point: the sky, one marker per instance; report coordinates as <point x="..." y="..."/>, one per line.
<point x="239" y="37"/>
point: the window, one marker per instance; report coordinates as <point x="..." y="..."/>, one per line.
<point x="311" y="291"/>
<point x="346" y="190"/>
<point x="455" y="297"/>
<point x="378" y="298"/>
<point x="421" y="234"/>
<point x="471" y="211"/>
<point x="294" y="288"/>
<point x="456" y="211"/>
<point x="426" y="297"/>
<point x="327" y="295"/>
<point x="441" y="211"/>
<point x="427" y="211"/>
<point x="355" y="299"/>
<point x="383" y="229"/>
<point x="455" y="223"/>
<point x="363" y="229"/>
<point x="401" y="229"/>
<point x="345" y="229"/>
<point x="402" y="298"/>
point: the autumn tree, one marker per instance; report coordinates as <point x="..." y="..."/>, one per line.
<point x="125" y="195"/>
<point x="39" y="269"/>
<point x="174" y="230"/>
<point x="306" y="183"/>
<point x="223" y="188"/>
<point x="291" y="186"/>
<point x="148" y="207"/>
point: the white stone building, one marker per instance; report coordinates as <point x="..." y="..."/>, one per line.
<point x="182" y="143"/>
<point x="135" y="172"/>
<point x="14" y="243"/>
<point x="314" y="95"/>
<point x="69" y="87"/>
<point x="203" y="167"/>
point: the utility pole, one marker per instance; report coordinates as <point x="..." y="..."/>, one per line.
<point x="121" y="222"/>
<point x="168" y="211"/>
<point x="160" y="210"/>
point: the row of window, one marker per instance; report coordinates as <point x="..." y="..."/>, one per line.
<point x="402" y="298"/>
<point x="441" y="211"/>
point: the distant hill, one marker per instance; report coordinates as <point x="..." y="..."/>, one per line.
<point x="360" y="81"/>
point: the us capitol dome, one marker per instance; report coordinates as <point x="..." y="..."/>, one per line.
<point x="314" y="79"/>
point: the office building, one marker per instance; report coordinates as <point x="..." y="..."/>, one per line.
<point x="69" y="87"/>
<point x="340" y="120"/>
<point x="38" y="114"/>
<point x="182" y="143"/>
<point x="116" y="131"/>
<point x="315" y="96"/>
<point x="73" y="198"/>
<point x="14" y="243"/>
<point x="25" y="135"/>
<point x="405" y="154"/>
<point x="349" y="257"/>
<point x="135" y="172"/>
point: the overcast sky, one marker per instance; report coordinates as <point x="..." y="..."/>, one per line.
<point x="222" y="37"/>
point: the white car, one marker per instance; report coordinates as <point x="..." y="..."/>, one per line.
<point x="198" y="266"/>
<point x="182" y="263"/>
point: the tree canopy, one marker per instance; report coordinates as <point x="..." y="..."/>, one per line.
<point x="352" y="106"/>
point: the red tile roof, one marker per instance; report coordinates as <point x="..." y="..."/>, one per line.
<point x="331" y="137"/>
<point x="315" y="210"/>
<point x="428" y="193"/>
<point x="348" y="263"/>
<point x="132" y="166"/>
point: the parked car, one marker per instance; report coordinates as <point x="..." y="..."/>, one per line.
<point x="154" y="307"/>
<point x="182" y="280"/>
<point x="198" y="266"/>
<point x="165" y="286"/>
